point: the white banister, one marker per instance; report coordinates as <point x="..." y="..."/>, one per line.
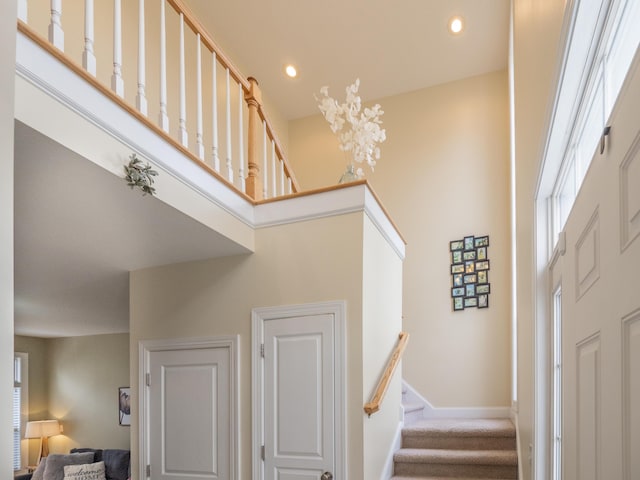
<point x="241" y="137"/>
<point x="163" y="117"/>
<point x="214" y="106"/>
<point x="117" y="84"/>
<point x="265" y="166"/>
<point x="56" y="34"/>
<point x="199" y="141"/>
<point x="22" y="10"/>
<point x="274" y="192"/>
<point x="182" y="120"/>
<point x="88" y="55"/>
<point x="229" y="166"/>
<point x="141" y="98"/>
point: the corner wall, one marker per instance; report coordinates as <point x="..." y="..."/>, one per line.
<point x="537" y="29"/>
<point x="444" y="174"/>
<point x="7" y="86"/>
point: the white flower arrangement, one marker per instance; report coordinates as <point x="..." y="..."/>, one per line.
<point x="364" y="132"/>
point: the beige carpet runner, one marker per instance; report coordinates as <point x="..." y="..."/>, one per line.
<point x="450" y="449"/>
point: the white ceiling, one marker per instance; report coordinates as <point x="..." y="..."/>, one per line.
<point x="392" y="46"/>
<point x="79" y="230"/>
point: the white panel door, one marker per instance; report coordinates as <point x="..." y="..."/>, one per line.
<point x="299" y="397"/>
<point x="600" y="274"/>
<point x="189" y="414"/>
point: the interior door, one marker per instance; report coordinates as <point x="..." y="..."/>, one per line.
<point x="601" y="308"/>
<point x="299" y="396"/>
<point x="189" y="414"/>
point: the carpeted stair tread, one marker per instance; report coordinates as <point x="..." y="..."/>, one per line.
<point x="456" y="457"/>
<point x="499" y="427"/>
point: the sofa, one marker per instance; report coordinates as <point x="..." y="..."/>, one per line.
<point x="117" y="464"/>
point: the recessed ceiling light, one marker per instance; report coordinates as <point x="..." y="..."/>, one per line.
<point x="291" y="71"/>
<point x="456" y="25"/>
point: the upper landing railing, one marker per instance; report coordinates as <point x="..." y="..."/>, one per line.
<point x="191" y="86"/>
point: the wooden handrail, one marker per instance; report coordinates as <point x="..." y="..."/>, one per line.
<point x="374" y="405"/>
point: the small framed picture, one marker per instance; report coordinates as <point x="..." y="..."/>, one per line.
<point x="456" y="256"/>
<point x="483" y="276"/>
<point x="469" y="278"/>
<point x="457" y="292"/>
<point x="481" y="241"/>
<point x="483" y="265"/>
<point x="469" y="255"/>
<point x="456" y="245"/>
<point x="124" y="406"/>
<point x="470" y="290"/>
<point x="457" y="268"/>
<point x="469" y="266"/>
<point x="457" y="280"/>
<point x="470" y="302"/>
<point x="482" y="288"/>
<point x="458" y="303"/>
<point x="481" y="253"/>
<point x="468" y="243"/>
<point x="483" y="301"/>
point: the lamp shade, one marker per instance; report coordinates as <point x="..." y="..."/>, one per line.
<point x="42" y="429"/>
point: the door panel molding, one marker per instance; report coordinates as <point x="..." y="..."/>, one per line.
<point x="258" y="318"/>
<point x="145" y="349"/>
<point x="631" y="393"/>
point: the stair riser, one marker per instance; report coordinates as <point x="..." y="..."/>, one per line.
<point x="459" y="443"/>
<point x="448" y="470"/>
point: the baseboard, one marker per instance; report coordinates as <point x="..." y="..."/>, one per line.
<point x="387" y="471"/>
<point x="457" y="412"/>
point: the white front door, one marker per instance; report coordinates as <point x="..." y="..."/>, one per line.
<point x="600" y="281"/>
<point x="188" y="422"/>
<point x="302" y="396"/>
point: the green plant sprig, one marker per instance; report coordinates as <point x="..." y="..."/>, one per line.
<point x="140" y="175"/>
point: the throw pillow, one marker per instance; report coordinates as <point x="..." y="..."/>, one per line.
<point x="54" y="470"/>
<point x="116" y="463"/>
<point x="39" y="472"/>
<point x="88" y="471"/>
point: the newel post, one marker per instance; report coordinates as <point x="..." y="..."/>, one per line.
<point x="253" y="97"/>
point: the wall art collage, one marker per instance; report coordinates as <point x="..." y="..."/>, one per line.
<point x="470" y="287"/>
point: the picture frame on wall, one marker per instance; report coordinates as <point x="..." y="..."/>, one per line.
<point x="124" y="406"/>
<point x="483" y="301"/>
<point x="457" y="292"/>
<point x="470" y="267"/>
<point x="457" y="280"/>
<point x="456" y="245"/>
<point x="456" y="256"/>
<point x="458" y="303"/>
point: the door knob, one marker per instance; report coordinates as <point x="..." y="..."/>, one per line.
<point x="326" y="476"/>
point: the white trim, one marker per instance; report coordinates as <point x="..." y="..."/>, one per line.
<point x="145" y="347"/>
<point x="456" y="412"/>
<point x="341" y="201"/>
<point x="514" y="419"/>
<point x="260" y="315"/>
<point x="387" y="471"/>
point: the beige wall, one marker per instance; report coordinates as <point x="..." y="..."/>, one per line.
<point x="537" y="28"/>
<point x="444" y="174"/>
<point x="7" y="80"/>
<point x="308" y="262"/>
<point x="76" y="380"/>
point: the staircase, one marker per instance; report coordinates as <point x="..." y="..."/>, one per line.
<point x="457" y="449"/>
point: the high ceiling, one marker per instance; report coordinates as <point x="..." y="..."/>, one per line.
<point x="392" y="46"/>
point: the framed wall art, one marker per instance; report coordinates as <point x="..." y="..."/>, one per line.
<point x="470" y="287"/>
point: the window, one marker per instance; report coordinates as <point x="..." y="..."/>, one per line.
<point x="20" y="409"/>
<point x="603" y="40"/>
<point x="556" y="430"/>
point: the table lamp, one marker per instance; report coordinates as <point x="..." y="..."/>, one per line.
<point x="42" y="429"/>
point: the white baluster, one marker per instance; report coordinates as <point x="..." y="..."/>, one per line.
<point x="199" y="144"/>
<point x="290" y="186"/>
<point x="163" y="119"/>
<point x="281" y="177"/>
<point x="182" y="121"/>
<point x="117" y="84"/>
<point x="265" y="165"/>
<point x="241" y="136"/>
<point x="22" y="10"/>
<point x="214" y="94"/>
<point x="141" y="98"/>
<point x="229" y="166"/>
<point x="88" y="56"/>
<point x="274" y="192"/>
<point x="56" y="34"/>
